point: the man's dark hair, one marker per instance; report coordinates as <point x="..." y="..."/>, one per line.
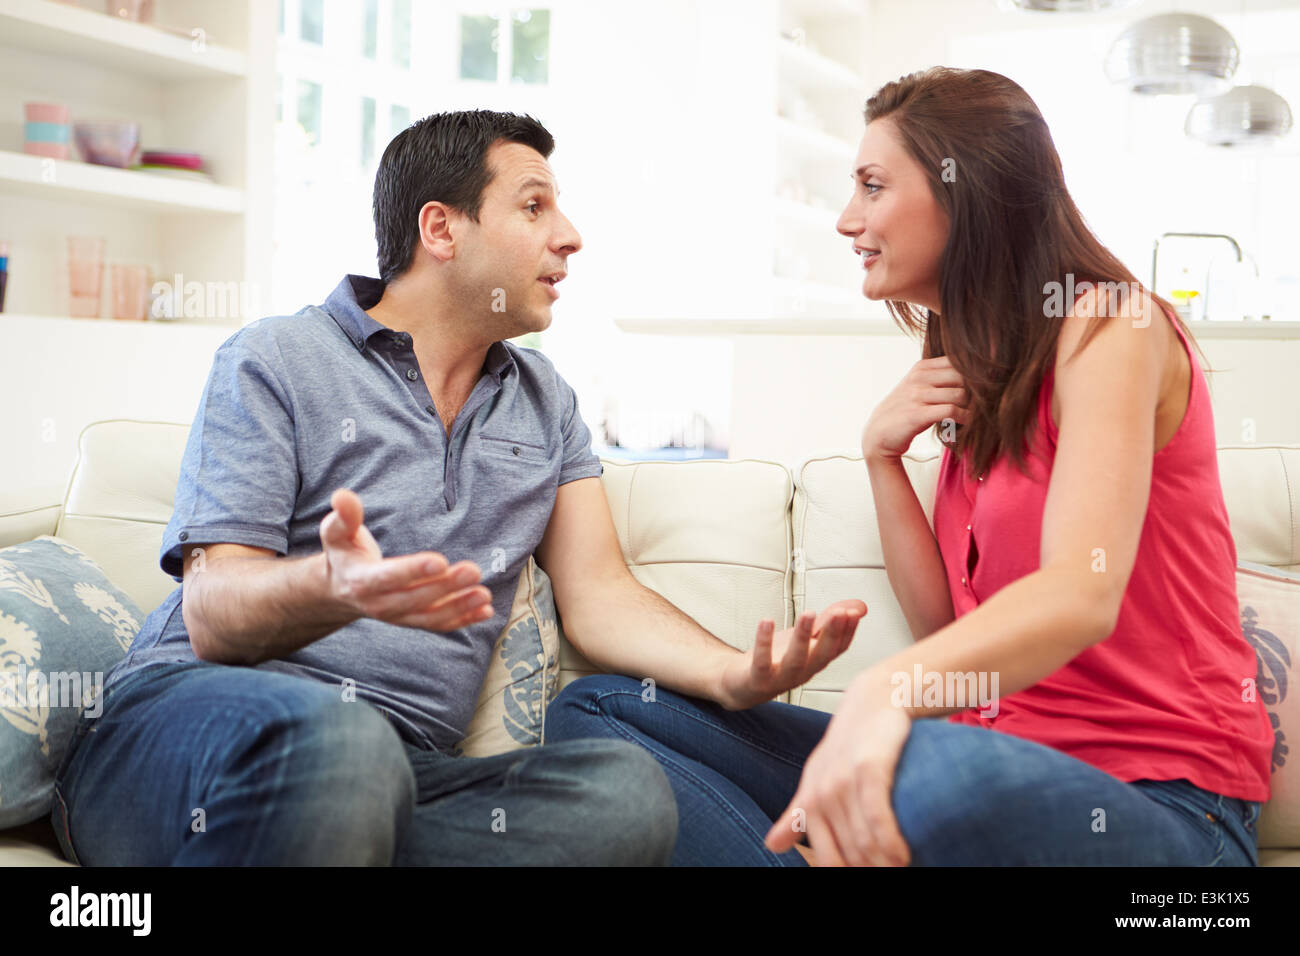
<point x="441" y="158"/>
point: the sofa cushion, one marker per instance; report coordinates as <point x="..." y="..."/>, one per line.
<point x="120" y="499"/>
<point x="63" y="625"/>
<point x="523" y="674"/>
<point x="710" y="536"/>
<point x="837" y="552"/>
<point x="837" y="555"/>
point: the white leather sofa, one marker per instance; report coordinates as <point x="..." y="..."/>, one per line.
<point x="729" y="542"/>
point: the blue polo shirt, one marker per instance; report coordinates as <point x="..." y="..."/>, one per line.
<point x="296" y="406"/>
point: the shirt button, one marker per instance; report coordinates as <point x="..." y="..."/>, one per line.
<point x="185" y="536"/>
<point x="968" y="527"/>
<point x="412" y="374"/>
<point x="360" y="342"/>
<point x="963" y="580"/>
<point x="429" y="409"/>
<point x="515" y="449"/>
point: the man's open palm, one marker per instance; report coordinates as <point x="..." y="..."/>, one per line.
<point x="412" y="590"/>
<point x="778" y="662"/>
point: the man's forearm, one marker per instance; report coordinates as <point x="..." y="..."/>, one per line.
<point x="629" y="629"/>
<point x="247" y="610"/>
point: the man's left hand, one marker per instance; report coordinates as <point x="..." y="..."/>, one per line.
<point x="778" y="662"/>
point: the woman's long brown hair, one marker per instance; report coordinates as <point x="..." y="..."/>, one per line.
<point x="1013" y="232"/>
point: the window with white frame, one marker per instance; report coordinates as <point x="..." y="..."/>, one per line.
<point x="511" y="47"/>
<point x="345" y="83"/>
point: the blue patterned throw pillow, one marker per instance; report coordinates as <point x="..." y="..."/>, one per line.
<point x="523" y="675"/>
<point x="1269" y="602"/>
<point x="63" y="625"/>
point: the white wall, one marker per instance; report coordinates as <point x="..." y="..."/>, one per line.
<point x="59" y="375"/>
<point x="797" y="396"/>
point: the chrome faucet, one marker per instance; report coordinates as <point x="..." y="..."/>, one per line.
<point x="1236" y="247"/>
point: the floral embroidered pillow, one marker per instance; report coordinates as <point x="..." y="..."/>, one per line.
<point x="1270" y="621"/>
<point x="63" y="625"/>
<point x="523" y="675"/>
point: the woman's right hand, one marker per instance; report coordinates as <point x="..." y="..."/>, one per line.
<point x="931" y="391"/>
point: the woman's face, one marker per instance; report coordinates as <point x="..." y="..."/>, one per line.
<point x="893" y="214"/>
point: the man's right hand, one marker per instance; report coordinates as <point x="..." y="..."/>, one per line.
<point x="413" y="590"/>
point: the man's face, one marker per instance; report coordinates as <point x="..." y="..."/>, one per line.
<point x="503" y="263"/>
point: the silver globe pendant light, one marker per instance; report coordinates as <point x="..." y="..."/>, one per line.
<point x="1070" y="6"/>
<point x="1173" y="53"/>
<point x="1243" y="115"/>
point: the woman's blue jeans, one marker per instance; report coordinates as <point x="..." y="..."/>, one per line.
<point x="963" y="796"/>
<point x="208" y="764"/>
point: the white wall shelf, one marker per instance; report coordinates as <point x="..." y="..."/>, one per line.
<point x="39" y="176"/>
<point x="63" y="324"/>
<point x="815" y="144"/>
<point x="809" y="69"/>
<point x="813" y="9"/>
<point x="65" y="30"/>
<point x="805" y="214"/>
<point x="818" y="62"/>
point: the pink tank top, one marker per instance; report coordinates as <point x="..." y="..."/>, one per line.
<point x="1161" y="698"/>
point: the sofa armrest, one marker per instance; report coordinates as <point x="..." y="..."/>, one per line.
<point x="27" y="513"/>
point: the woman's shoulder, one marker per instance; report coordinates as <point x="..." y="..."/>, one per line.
<point x="1129" y="322"/>
<point x="1133" y="334"/>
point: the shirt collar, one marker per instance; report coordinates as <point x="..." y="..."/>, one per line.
<point x="354" y="294"/>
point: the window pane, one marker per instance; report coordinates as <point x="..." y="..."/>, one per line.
<point x="478" y="48"/>
<point x="312" y="21"/>
<point x="400" y="117"/>
<point x="532" y="41"/>
<point x="309" y="110"/>
<point x="367" y="130"/>
<point x="370" y="29"/>
<point x="402" y="33"/>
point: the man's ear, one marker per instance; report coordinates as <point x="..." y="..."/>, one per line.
<point x="436" y="222"/>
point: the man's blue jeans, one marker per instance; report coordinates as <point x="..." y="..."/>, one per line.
<point x="963" y="796"/>
<point x="202" y="763"/>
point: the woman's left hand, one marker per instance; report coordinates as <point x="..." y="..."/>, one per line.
<point x="843" y="802"/>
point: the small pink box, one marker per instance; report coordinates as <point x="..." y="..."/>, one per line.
<point x="45" y="113"/>
<point x="47" y="130"/>
<point x="53" y="150"/>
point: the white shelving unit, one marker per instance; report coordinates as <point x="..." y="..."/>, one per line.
<point x="37" y="176"/>
<point x="819" y="56"/>
<point x="90" y="36"/>
<point x="200" y="78"/>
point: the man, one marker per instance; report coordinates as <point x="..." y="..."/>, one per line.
<point x="297" y="698"/>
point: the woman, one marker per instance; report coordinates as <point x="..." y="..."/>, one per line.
<point x="1081" y="558"/>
